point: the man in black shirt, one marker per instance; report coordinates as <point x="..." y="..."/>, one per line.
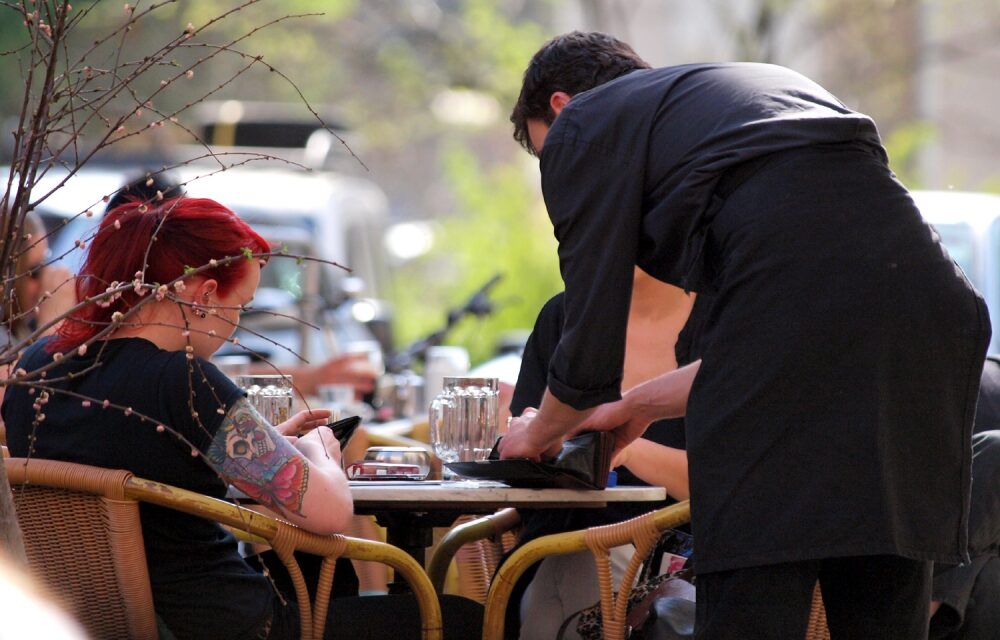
<point x="841" y="360"/>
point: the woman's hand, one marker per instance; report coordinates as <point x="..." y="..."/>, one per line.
<point x="318" y="444"/>
<point x="657" y="465"/>
<point x="304" y="422"/>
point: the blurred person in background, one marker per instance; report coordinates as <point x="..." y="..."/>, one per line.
<point x="42" y="293"/>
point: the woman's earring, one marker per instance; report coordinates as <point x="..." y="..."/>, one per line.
<point x="198" y="311"/>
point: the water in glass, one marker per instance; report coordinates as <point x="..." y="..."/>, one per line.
<point x="464" y="418"/>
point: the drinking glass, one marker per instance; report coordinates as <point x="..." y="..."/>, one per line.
<point x="464" y="418"/>
<point x="270" y="395"/>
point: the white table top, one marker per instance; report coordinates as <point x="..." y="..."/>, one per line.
<point x="480" y="495"/>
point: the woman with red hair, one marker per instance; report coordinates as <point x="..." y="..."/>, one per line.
<point x="127" y="384"/>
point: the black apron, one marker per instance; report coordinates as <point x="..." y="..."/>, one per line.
<point x="833" y="410"/>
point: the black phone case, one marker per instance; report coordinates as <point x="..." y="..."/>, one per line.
<point x="344" y="428"/>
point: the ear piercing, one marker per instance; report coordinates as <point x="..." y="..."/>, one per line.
<point x="198" y="311"/>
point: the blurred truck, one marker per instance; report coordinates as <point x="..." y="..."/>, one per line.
<point x="969" y="226"/>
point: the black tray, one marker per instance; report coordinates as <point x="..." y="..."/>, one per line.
<point x="583" y="463"/>
<point x="522" y="473"/>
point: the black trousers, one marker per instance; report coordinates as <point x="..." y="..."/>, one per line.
<point x="866" y="598"/>
<point x="970" y="593"/>
<point x="395" y="617"/>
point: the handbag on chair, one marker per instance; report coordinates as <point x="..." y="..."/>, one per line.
<point x="660" y="607"/>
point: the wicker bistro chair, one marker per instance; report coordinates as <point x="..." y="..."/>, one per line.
<point x="84" y="541"/>
<point x="476" y="545"/>
<point x="643" y="532"/>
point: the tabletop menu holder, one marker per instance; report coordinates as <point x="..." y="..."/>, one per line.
<point x="582" y="463"/>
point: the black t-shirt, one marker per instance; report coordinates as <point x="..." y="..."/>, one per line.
<point x="630" y="167"/>
<point x="202" y="588"/>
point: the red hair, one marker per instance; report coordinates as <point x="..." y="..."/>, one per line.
<point x="189" y="233"/>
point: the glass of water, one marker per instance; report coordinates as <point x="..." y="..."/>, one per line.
<point x="464" y="418"/>
<point x="270" y="395"/>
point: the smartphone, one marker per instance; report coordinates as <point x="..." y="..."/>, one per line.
<point x="344" y="428"/>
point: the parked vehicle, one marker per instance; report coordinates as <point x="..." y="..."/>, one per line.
<point x="322" y="215"/>
<point x="969" y="226"/>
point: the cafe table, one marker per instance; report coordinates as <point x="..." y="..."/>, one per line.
<point x="409" y="510"/>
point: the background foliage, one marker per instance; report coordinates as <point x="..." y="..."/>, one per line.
<point x="382" y="64"/>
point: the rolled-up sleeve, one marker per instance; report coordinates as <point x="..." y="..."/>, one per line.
<point x="593" y="196"/>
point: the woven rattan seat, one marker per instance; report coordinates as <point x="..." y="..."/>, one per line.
<point x="642" y="532"/>
<point x="84" y="542"/>
<point x="476" y="545"/>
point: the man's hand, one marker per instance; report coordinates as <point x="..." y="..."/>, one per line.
<point x="352" y="368"/>
<point x="619" y="418"/>
<point x="526" y="438"/>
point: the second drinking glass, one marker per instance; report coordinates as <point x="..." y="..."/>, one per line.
<point x="464" y="418"/>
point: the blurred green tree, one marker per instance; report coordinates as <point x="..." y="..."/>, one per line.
<point x="500" y="227"/>
<point x="384" y="65"/>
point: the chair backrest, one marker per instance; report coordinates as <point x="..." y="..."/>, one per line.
<point x="43" y="485"/>
<point x="83" y="540"/>
<point x="817" y="629"/>
<point x="477" y="561"/>
<point x="285" y="539"/>
<point x="476" y="546"/>
<point x="643" y="532"/>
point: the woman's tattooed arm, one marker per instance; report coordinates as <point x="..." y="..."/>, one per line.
<point x="252" y="456"/>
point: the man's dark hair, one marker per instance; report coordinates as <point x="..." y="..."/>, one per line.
<point x="148" y="187"/>
<point x="573" y="62"/>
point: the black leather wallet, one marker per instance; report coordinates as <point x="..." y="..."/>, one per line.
<point x="582" y="463"/>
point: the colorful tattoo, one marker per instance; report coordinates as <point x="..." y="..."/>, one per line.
<point x="257" y="460"/>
